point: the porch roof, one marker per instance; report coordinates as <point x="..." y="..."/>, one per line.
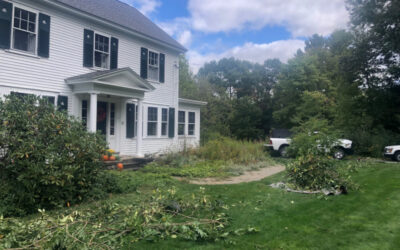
<point x="120" y="82"/>
<point x="191" y="102"/>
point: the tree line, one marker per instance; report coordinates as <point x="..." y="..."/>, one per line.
<point x="349" y="80"/>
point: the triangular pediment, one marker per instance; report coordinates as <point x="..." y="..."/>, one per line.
<point x="119" y="78"/>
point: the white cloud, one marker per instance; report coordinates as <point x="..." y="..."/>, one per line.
<point x="258" y="53"/>
<point x="179" y="28"/>
<point x="145" y="6"/>
<point x="185" y="38"/>
<point x="300" y="17"/>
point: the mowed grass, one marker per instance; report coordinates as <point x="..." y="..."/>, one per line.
<point x="365" y="219"/>
<point x="368" y="218"/>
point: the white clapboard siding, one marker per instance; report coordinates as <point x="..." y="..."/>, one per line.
<point x="45" y="76"/>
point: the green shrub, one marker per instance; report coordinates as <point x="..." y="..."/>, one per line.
<point x="50" y="159"/>
<point x="371" y="142"/>
<point x="313" y="167"/>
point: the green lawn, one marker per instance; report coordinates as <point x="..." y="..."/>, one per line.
<point x="365" y="219"/>
<point x="368" y="218"/>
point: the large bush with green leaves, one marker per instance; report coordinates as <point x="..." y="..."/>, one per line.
<point x="48" y="158"/>
<point x="314" y="168"/>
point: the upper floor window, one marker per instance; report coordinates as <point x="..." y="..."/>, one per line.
<point x="153" y="66"/>
<point x="24" y="30"/>
<point x="102" y="51"/>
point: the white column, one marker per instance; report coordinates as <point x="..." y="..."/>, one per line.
<point x="93" y="112"/>
<point x="139" y="131"/>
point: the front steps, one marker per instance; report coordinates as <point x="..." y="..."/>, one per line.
<point x="130" y="163"/>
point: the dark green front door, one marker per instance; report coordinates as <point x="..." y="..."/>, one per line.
<point x="102" y="117"/>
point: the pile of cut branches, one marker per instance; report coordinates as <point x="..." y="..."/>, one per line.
<point x="112" y="225"/>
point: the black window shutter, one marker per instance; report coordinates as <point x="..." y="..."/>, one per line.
<point x="130" y="120"/>
<point x="62" y="103"/>
<point x="44" y="36"/>
<point x="162" y="67"/>
<point x="88" y="38"/>
<point x="114" y="53"/>
<point x="143" y="62"/>
<point x="5" y="24"/>
<point x="171" y="123"/>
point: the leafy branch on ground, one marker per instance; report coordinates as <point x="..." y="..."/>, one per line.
<point x="164" y="215"/>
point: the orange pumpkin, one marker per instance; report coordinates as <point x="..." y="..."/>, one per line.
<point x="120" y="166"/>
<point x="105" y="157"/>
<point x="112" y="158"/>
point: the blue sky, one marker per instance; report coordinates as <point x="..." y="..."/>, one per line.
<point x="253" y="30"/>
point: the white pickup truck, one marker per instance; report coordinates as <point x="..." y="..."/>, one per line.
<point x="280" y="141"/>
<point x="392" y="152"/>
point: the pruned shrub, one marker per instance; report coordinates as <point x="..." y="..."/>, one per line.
<point x="314" y="168"/>
<point x="49" y="159"/>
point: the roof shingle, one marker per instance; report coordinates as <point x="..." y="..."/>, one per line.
<point x="124" y="15"/>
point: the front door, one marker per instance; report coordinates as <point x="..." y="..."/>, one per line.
<point x="102" y="117"/>
<point x="113" y="129"/>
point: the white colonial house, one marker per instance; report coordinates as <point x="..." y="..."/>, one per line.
<point x="104" y="62"/>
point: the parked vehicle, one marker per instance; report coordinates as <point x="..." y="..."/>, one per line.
<point x="392" y="152"/>
<point x="280" y="141"/>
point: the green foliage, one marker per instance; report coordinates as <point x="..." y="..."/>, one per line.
<point x="217" y="158"/>
<point x="375" y="23"/>
<point x="162" y="215"/>
<point x="313" y="137"/>
<point x="316" y="172"/>
<point x="245" y="121"/>
<point x="226" y="149"/>
<point x="50" y="159"/>
<point x="313" y="167"/>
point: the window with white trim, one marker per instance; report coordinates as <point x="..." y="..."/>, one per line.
<point x="181" y="123"/>
<point x="164" y="122"/>
<point x="191" y="124"/>
<point x="153" y="66"/>
<point x="102" y="51"/>
<point x="24" y="30"/>
<point x="152" y="120"/>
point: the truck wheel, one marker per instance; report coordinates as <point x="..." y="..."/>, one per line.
<point x="396" y="156"/>
<point x="283" y="151"/>
<point x="338" y="153"/>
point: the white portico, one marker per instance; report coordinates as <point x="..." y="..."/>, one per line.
<point x="112" y="103"/>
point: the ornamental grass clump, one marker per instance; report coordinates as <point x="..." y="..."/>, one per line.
<point x="48" y="158"/>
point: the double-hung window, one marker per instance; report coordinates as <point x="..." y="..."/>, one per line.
<point x="181" y="123"/>
<point x="164" y="122"/>
<point x="153" y="66"/>
<point x="102" y="51"/>
<point x="152" y="120"/>
<point x="192" y="121"/>
<point x="24" y="30"/>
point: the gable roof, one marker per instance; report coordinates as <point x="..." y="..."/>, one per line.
<point x="103" y="75"/>
<point x="124" y="15"/>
